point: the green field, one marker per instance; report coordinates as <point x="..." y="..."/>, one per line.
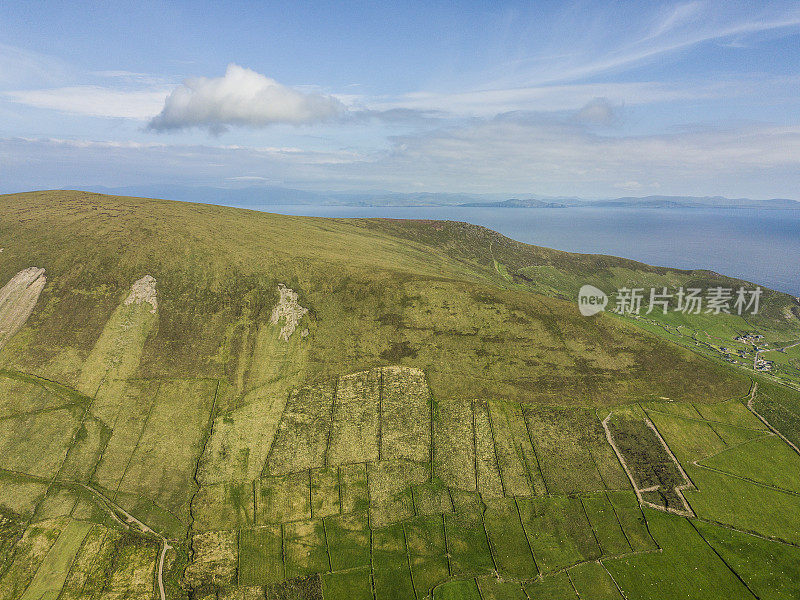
<point x="442" y="423"/>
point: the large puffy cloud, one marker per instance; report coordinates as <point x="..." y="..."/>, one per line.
<point x="241" y="97"/>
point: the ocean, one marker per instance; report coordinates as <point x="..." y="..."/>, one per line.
<point x="758" y="245"/>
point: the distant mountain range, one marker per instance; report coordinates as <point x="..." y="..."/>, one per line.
<point x="517" y="203"/>
<point x="272" y="195"/>
<point x="256" y="196"/>
<point x="644" y="202"/>
<point x="694" y="202"/>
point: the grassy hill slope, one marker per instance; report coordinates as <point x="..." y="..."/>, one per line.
<point x="442" y="422"/>
<point x="375" y="297"/>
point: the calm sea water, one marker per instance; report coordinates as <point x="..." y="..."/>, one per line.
<point x="762" y="246"/>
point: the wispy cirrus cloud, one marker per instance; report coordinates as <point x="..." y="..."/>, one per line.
<point x="598" y="44"/>
<point x="94" y="100"/>
<point x="19" y="66"/>
<point x="488" y="103"/>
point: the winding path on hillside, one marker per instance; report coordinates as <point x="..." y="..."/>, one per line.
<point x="133" y="524"/>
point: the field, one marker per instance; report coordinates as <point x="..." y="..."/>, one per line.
<point x="441" y="423"/>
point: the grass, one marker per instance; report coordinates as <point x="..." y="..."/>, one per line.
<point x="553" y="587"/>
<point x="492" y="588"/>
<point x="689" y="439"/>
<point x="458" y="590"/>
<point x="283" y="498"/>
<point x="511" y="550"/>
<point x="390" y="489"/>
<point x="304" y="548"/>
<point x="432" y="497"/>
<point x="126" y="408"/>
<point x="767" y="460"/>
<point x="21" y="395"/>
<point x="732" y="412"/>
<point x="467" y="545"/>
<point x="348" y="274"/>
<point x="439" y="423"/>
<point x="592" y="580"/>
<point x="260" y="556"/>
<point x="133" y="569"/>
<point x="353" y="487"/>
<point x="490" y="480"/>
<point x="214" y="559"/>
<point x="222" y="505"/>
<point x="558" y="532"/>
<point x="348" y="541"/>
<point x="356" y="416"/>
<point x="31" y="550"/>
<point x="89" y="562"/>
<point x="36" y="444"/>
<point x="391" y="568"/>
<point x="302" y="436"/>
<point x="771" y="570"/>
<point x="427" y="551"/>
<point x="118" y="350"/>
<point x="454" y="444"/>
<point x="781" y="407"/>
<point x="405" y="413"/>
<point x="325" y="492"/>
<point x="53" y="570"/>
<point x="515" y="456"/>
<point x="240" y="441"/>
<point x="349" y="585"/>
<point x="161" y="468"/>
<point x="632" y="520"/>
<point x="572" y="451"/>
<point x="603" y="517"/>
<point x="733" y="501"/>
<point x="687" y="567"/>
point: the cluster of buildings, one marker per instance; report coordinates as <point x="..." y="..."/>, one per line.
<point x="749" y="338"/>
<point x="762" y="364"/>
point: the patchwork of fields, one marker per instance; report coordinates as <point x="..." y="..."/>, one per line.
<point x="397" y="434"/>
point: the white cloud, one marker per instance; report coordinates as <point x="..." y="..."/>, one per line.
<point x="490" y="102"/>
<point x="618" y="46"/>
<point x="20" y="67"/>
<point x="241" y="97"/>
<point x="508" y="154"/>
<point x="95" y="101"/>
<point x="504" y="155"/>
<point x="675" y="16"/>
<point x="599" y="111"/>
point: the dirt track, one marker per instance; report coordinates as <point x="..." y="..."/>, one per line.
<point x="133" y="524"/>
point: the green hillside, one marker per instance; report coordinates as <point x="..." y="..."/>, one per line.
<point x="234" y="404"/>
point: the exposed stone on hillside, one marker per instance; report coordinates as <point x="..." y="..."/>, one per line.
<point x="288" y="309"/>
<point x="144" y="290"/>
<point x="17" y="300"/>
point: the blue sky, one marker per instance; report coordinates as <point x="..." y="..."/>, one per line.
<point x="537" y="98"/>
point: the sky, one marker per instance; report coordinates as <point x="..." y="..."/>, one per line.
<point x="589" y="99"/>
